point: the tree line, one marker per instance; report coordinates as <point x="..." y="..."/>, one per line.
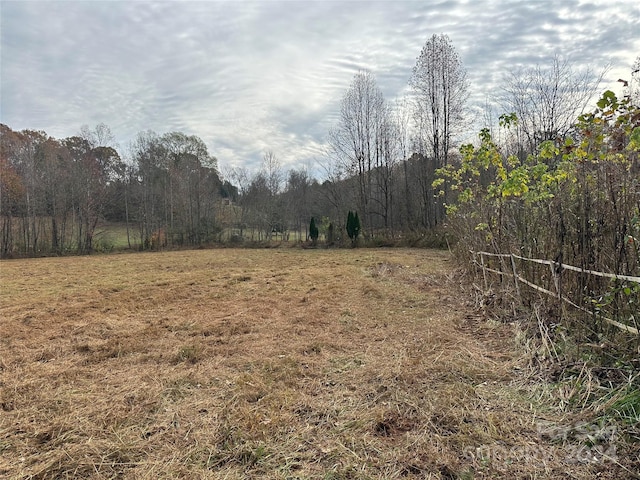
<point x="54" y="193"/>
<point x="386" y="162"/>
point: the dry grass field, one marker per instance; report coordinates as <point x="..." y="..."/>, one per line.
<point x="278" y="364"/>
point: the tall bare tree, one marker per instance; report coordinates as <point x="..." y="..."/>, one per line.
<point x="439" y="84"/>
<point x="388" y="149"/>
<point x="356" y="140"/>
<point x="273" y="177"/>
<point x="401" y="114"/>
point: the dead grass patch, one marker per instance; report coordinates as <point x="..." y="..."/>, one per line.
<point x="263" y="364"/>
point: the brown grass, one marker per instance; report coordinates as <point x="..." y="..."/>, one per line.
<point x="263" y="364"/>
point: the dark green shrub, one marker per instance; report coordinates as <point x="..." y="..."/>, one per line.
<point x="353" y="227"/>
<point x="313" y="231"/>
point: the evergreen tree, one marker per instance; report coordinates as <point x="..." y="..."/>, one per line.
<point x="313" y="231"/>
<point x="356" y="225"/>
<point x="353" y="227"/>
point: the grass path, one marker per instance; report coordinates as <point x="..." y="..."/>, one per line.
<point x="283" y="364"/>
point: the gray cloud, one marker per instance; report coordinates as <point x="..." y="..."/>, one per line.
<point x="253" y="76"/>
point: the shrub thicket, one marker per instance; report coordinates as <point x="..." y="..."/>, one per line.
<point x="576" y="200"/>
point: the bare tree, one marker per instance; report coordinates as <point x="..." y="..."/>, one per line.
<point x="356" y="140"/>
<point x="273" y="177"/>
<point x="439" y="84"/>
<point x="149" y="184"/>
<point x="273" y="172"/>
<point x="401" y="117"/>
<point x="547" y="100"/>
<point x="333" y="188"/>
<point x="388" y="148"/>
<point x="100" y="136"/>
<point x="297" y="199"/>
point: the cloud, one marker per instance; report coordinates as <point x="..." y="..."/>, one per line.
<point x="268" y="75"/>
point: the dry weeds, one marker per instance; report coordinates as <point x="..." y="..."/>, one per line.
<point x="264" y="364"/>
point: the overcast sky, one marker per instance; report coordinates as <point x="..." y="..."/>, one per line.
<point x="247" y="77"/>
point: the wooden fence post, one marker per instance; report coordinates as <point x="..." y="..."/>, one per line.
<point x="556" y="271"/>
<point x="515" y="275"/>
<point x="484" y="272"/>
<point x="556" y="280"/>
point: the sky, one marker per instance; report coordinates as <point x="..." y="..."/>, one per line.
<point x="249" y="77"/>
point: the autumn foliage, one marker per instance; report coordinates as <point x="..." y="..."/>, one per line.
<point x="575" y="200"/>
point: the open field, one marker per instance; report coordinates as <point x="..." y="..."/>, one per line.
<point x="278" y="364"/>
